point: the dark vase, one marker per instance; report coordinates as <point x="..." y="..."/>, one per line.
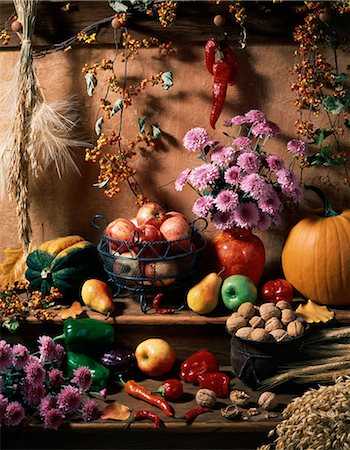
<point x="239" y="251"/>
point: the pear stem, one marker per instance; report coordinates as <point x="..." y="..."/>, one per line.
<point x="218" y="274"/>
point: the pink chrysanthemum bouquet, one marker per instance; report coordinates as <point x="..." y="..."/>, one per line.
<point x="241" y="184"/>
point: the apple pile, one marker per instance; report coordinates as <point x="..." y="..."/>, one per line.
<point x="145" y="241"/>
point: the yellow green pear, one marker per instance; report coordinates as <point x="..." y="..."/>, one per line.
<point x="204" y="296"/>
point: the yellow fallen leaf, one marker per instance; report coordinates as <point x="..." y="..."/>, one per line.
<point x="73" y="311"/>
<point x="116" y="411"/>
<point x="313" y="313"/>
<point x="14" y="266"/>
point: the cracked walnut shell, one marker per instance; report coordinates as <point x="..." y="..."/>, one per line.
<point x="239" y="398"/>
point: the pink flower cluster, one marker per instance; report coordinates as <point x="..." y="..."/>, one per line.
<point x="241" y="184"/>
<point x="39" y="383"/>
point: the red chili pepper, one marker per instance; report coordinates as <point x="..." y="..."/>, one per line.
<point x="209" y="51"/>
<point x="222" y="72"/>
<point x="193" y="413"/>
<point x="199" y="362"/>
<point x="216" y="381"/>
<point x="277" y="290"/>
<point x="170" y="389"/>
<point x="229" y="56"/>
<point x="145" y="414"/>
<point x="159" y="310"/>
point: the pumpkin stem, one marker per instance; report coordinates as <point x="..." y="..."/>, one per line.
<point x="328" y="210"/>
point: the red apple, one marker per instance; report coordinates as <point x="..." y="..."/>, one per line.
<point x="151" y="213"/>
<point x="134" y="221"/>
<point x="120" y="230"/>
<point x="167" y="270"/>
<point x="127" y="267"/>
<point x="155" y="357"/>
<point x="174" y="214"/>
<point x="176" y="228"/>
<point x="148" y="233"/>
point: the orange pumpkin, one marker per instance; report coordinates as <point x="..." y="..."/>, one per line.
<point x="316" y="255"/>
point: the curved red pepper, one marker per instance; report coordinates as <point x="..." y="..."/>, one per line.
<point x="222" y="73"/>
<point x="229" y="57"/>
<point x="200" y="362"/>
<point x="216" y="381"/>
<point x="209" y="50"/>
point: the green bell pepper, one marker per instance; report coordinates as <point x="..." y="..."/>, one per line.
<point x="87" y="335"/>
<point x="99" y="373"/>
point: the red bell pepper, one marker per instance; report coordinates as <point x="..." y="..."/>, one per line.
<point x="200" y="362"/>
<point x="277" y="290"/>
<point x="216" y="381"/>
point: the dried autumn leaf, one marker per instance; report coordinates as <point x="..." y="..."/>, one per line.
<point x="313" y="313"/>
<point x="73" y="311"/>
<point x="14" y="266"/>
<point x="116" y="411"/>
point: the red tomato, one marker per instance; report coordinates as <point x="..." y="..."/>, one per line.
<point x="277" y="290"/>
<point x="172" y="388"/>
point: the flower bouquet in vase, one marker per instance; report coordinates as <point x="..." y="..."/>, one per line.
<point x="241" y="186"/>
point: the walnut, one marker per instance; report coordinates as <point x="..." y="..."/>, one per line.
<point x="268" y="310"/>
<point x="252" y="412"/>
<point x="287" y="316"/>
<point x="256" y="322"/>
<point x="273" y="324"/>
<point x="231" y="412"/>
<point x="234" y="322"/>
<point x="244" y="333"/>
<point x="279" y="335"/>
<point x="239" y="398"/>
<point x="295" y="328"/>
<point x="259" y="335"/>
<point x="268" y="401"/>
<point x="282" y="304"/>
<point x="205" y="398"/>
<point x="246" y="310"/>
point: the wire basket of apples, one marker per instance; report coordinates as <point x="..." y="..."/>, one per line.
<point x="152" y="252"/>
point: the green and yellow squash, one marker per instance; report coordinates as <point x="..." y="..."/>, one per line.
<point x="64" y="263"/>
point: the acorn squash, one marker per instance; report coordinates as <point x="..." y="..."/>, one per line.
<point x="64" y="263"/>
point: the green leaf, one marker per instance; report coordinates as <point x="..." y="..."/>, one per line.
<point x="118" y="6"/>
<point x="11" y="324"/>
<point x="333" y="105"/>
<point x="320" y="135"/>
<point x="341" y="77"/>
<point x="118" y="105"/>
<point x="141" y="123"/>
<point x="91" y="83"/>
<point x="98" y="126"/>
<point x="102" y="184"/>
<point x="326" y="151"/>
<point x="167" y="78"/>
<point x="156" y="131"/>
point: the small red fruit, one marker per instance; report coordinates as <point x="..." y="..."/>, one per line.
<point x="171" y="389"/>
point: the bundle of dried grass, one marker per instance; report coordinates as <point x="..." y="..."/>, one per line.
<point x="38" y="134"/>
<point x="318" y="420"/>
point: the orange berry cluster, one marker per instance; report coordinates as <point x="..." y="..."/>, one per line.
<point x="132" y="46"/>
<point x="86" y="38"/>
<point x="4" y="37"/>
<point x="105" y="64"/>
<point x="238" y="11"/>
<point x="166" y="12"/>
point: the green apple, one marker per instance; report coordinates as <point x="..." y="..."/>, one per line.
<point x="237" y="289"/>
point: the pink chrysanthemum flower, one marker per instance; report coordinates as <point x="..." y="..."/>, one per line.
<point x="47" y="403"/>
<point x="265" y="222"/>
<point x="5" y="355"/>
<point x="267" y="128"/>
<point x="203" y="205"/>
<point x="222" y="156"/>
<point x="237" y="120"/>
<point x="295" y="194"/>
<point x="255" y="116"/>
<point x="195" y="139"/>
<point x="233" y="175"/>
<point x="287" y="179"/>
<point x="14" y="414"/>
<point x="275" y="163"/>
<point x="226" y="200"/>
<point x="182" y="179"/>
<point x="249" y="162"/>
<point x="46" y="348"/>
<point x="82" y="378"/>
<point x="56" y="377"/>
<point x="90" y="411"/>
<point x="242" y="142"/>
<point x="3" y="405"/>
<point x="1" y="384"/>
<point x="246" y="215"/>
<point x="53" y="419"/>
<point x="271" y="203"/>
<point x="222" y="220"/>
<point x="254" y="185"/>
<point x="201" y="177"/>
<point x="20" y="355"/>
<point x="35" y="372"/>
<point x="297" y="147"/>
<point x="60" y="353"/>
<point x="33" y="393"/>
<point x="69" y="399"/>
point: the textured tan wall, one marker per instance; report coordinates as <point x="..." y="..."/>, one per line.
<point x="67" y="205"/>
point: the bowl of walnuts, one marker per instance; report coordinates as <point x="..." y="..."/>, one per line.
<point x="262" y="337"/>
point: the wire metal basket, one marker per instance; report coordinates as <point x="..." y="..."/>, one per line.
<point x="151" y="267"/>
